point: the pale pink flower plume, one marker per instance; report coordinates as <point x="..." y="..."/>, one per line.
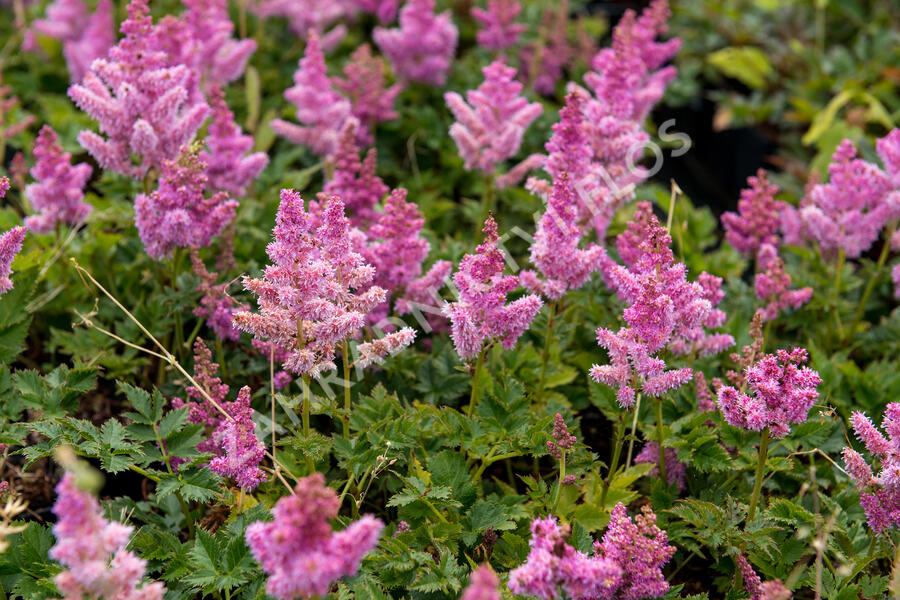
<point x="85" y="36"/>
<point x="58" y="194"/>
<point x="879" y="494"/>
<point x="371" y="99"/>
<point x="499" y="29"/>
<point x="304" y="16"/>
<point x="483" y="585"/>
<point x="241" y="450"/>
<point x="422" y="48"/>
<point x="355" y="180"/>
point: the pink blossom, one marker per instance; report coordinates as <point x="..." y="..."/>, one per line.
<point x="704" y="396"/>
<point x="781" y="392"/>
<point x="298" y="549"/>
<point x="542" y="63"/>
<point x="489" y="129"/>
<point x="562" y="439"/>
<point x="371" y="99"/>
<point x="676" y="471"/>
<point x="202" y="410"/>
<point x="216" y="306"/>
<point x="498" y="27"/>
<point x="555" y="250"/>
<point x="93" y="550"/>
<point x="374" y="352"/>
<point x="481" y="313"/>
<point x="9" y="128"/>
<point x="422" y="48"/>
<point x="759" y="590"/>
<point x="758" y="218"/>
<point x="58" y="194"/>
<point x="140" y="103"/>
<point x="10" y="245"/>
<point x="483" y="584"/>
<point x="321" y="111"/>
<point x="84" y="36"/>
<point x="241" y="450"/>
<point x="316" y="292"/>
<point x="773" y="285"/>
<point x="355" y="181"/>
<point x="228" y="166"/>
<point x="306" y="15"/>
<point x="177" y="214"/>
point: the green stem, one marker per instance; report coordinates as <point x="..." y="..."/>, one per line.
<point x="614" y="463"/>
<point x="345" y="418"/>
<point x="562" y="475"/>
<point x="882" y="258"/>
<point x="476" y="385"/>
<point x="545" y="355"/>
<point x="487" y="201"/>
<point x="837" y="291"/>
<point x="637" y="409"/>
<point x="659" y="441"/>
<point x="310" y="465"/>
<point x="760" y="471"/>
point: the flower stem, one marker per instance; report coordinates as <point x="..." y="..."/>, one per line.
<point x="272" y="393"/>
<point x="345" y="418"/>
<point x="637" y="409"/>
<point x="882" y="258"/>
<point x="659" y="441"/>
<point x="837" y="291"/>
<point x="614" y="463"/>
<point x="562" y="475"/>
<point x="760" y="471"/>
<point x="476" y="387"/>
<point x="310" y="465"/>
<point x="545" y="355"/>
<point x="487" y="201"/>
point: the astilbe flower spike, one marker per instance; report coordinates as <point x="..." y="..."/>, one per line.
<point x="773" y="285"/>
<point x="298" y="549"/>
<point x="705" y="401"/>
<point x="676" y="471"/>
<point x="8" y="127"/>
<point x="216" y="306"/>
<point x="228" y="166"/>
<point x="758" y="218"/>
<point x="385" y="10"/>
<point x="422" y="48"/>
<point x="177" y="213"/>
<point x="139" y="102"/>
<point x="93" y="551"/>
<point x="562" y="439"/>
<point x="481" y="313"/>
<point x="201" y="39"/>
<point x="483" y="584"/>
<point x="849" y="212"/>
<point x="489" y="128"/>
<point x="371" y="99"/>
<point x="759" y="590"/>
<point x="241" y="450"/>
<point x="203" y="410"/>
<point x="58" y="194"/>
<point x="542" y="63"/>
<point x="317" y="292"/>
<point x="781" y="394"/>
<point x="879" y="494"/>
<point x="355" y="180"/>
<point x="315" y="15"/>
<point x="321" y="111"/>
<point x="498" y="27"/>
<point x="85" y="36"/>
<point x="10" y="245"/>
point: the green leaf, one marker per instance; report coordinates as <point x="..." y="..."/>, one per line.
<point x="485" y="513"/>
<point x="747" y="64"/>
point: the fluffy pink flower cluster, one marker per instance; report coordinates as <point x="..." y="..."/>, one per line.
<point x="177" y="213"/>
<point x="321" y="111"/>
<point x="483" y="584"/>
<point x="759" y="590"/>
<point x="542" y="62"/>
<point x="676" y="471"/>
<point x="850" y="210"/>
<point x="499" y="29"/>
<point x="374" y="352"/>
<point x="10" y="245"/>
<point x="140" y="102"/>
<point x="385" y="10"/>
<point x="758" y="218"/>
<point x="781" y="393"/>
<point x="216" y="306"/>
<point x="422" y="48"/>
<point x="481" y="313"/>
<point x="310" y="297"/>
<point x="490" y="127"/>
<point x="626" y="564"/>
<point x="298" y="549"/>
<point x="201" y="410"/>
<point x="705" y="401"/>
<point x="562" y="439"/>
<point x="241" y="450"/>
<point x="229" y="167"/>
<point x="772" y="284"/>
<point x="58" y="194"/>
<point x="85" y="36"/>
<point x="397" y="250"/>
<point x="355" y="180"/>
<point x="371" y="99"/>
<point x="880" y="495"/>
<point x="93" y="551"/>
<point x="315" y="15"/>
<point x="664" y="310"/>
<point x="201" y="39"/>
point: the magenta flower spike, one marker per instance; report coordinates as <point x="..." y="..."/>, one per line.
<point x="781" y="392"/>
<point x="8" y="126"/>
<point x="10" y="245"/>
<point x="177" y="214"/>
<point x="490" y="127"/>
<point x="92" y="550"/>
<point x="57" y="195"/>
<point x="850" y="210"/>
<point x="201" y="410"/>
<point x="85" y="36"/>
<point x="481" y="313"/>
<point x="758" y="218"/>
<point x="298" y="549"/>
<point x="140" y="103"/>
<point x="216" y="306"/>
<point x="543" y="64"/>
<point x="555" y="252"/>
<point x="228" y="166"/>
<point x="321" y="111"/>
<point x="772" y="284"/>
<point x="499" y="29"/>
<point x="676" y="471"/>
<point x="385" y="10"/>
<point x="355" y="180"/>
<point x="879" y="494"/>
<point x="759" y="590"/>
<point x="241" y="450"/>
<point x="316" y="293"/>
<point x="371" y="99"/>
<point x="306" y="15"/>
<point x="422" y="48"/>
<point x="483" y="584"/>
